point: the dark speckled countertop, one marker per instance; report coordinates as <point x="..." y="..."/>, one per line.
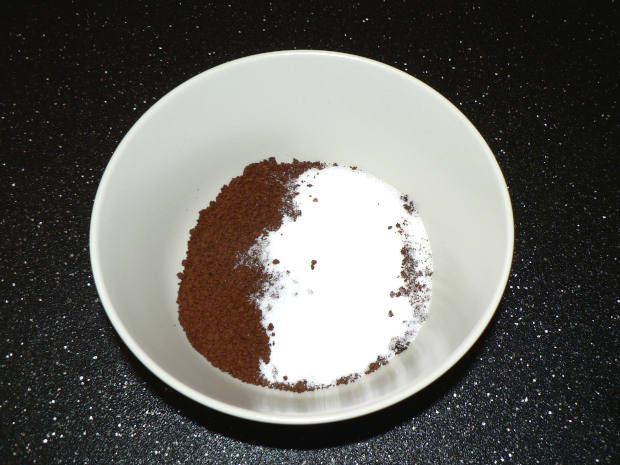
<point x="538" y="81"/>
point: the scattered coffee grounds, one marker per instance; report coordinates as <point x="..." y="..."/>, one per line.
<point x="249" y="302"/>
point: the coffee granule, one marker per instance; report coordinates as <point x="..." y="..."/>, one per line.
<point x="219" y="319"/>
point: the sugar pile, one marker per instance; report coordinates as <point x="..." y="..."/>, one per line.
<point x="350" y="278"/>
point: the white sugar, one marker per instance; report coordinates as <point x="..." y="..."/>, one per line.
<point x="336" y="266"/>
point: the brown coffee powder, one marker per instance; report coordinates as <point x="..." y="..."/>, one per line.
<point x="215" y="309"/>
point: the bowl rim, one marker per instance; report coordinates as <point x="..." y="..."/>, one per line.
<point x="345" y="414"/>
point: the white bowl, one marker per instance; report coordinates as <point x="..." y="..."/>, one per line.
<point x="312" y="105"/>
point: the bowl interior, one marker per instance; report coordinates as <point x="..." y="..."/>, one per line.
<point x="313" y="106"/>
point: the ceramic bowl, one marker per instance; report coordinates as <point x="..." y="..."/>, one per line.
<point x="312" y="105"/>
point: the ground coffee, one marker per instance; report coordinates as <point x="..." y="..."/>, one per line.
<point x="214" y="310"/>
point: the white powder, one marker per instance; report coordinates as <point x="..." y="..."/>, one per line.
<point x="334" y="320"/>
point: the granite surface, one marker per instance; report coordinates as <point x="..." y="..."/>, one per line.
<point x="538" y="80"/>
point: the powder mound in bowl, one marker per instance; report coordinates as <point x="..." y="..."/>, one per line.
<point x="305" y="275"/>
